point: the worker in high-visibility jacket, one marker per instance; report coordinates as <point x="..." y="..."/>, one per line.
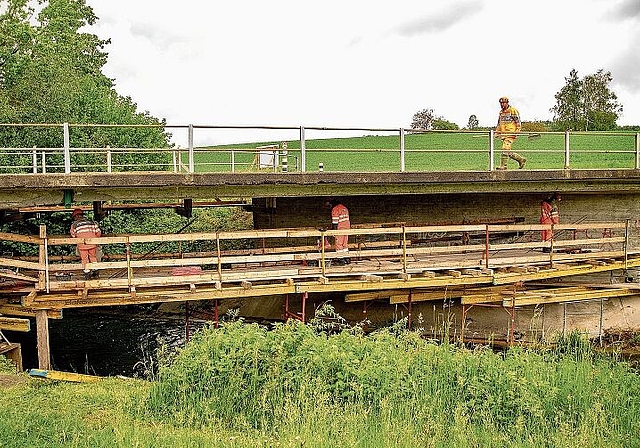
<point x="83" y="227"/>
<point x="339" y="221"/>
<point x="507" y="128"/>
<point x="549" y="214"/>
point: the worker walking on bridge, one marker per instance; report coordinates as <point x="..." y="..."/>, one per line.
<point x="339" y="221"/>
<point x="549" y="214"/>
<point x="508" y="126"/>
<point x="83" y="227"/>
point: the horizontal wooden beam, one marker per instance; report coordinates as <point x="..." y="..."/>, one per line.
<point x="574" y="296"/>
<point x="18" y="310"/>
<point x="15" y="276"/>
<point x="14" y="324"/>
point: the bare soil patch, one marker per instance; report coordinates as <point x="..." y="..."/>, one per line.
<point x="8" y="380"/>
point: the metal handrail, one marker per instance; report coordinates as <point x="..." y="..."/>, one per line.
<point x="565" y="146"/>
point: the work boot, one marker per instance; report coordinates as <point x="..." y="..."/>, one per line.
<point x="503" y="162"/>
<point x="518" y="158"/>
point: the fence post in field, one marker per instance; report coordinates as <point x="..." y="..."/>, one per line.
<point x="34" y="154"/>
<point x="402" y="166"/>
<point x="637" y="147"/>
<point x="67" y="153"/>
<point x="109" y="167"/>
<point x="303" y="151"/>
<point x="566" y="150"/>
<point x="190" y="139"/>
<point x="491" y="150"/>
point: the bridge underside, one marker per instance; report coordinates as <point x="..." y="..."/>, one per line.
<point x="55" y="189"/>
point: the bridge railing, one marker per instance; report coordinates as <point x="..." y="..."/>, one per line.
<point x="290" y="149"/>
<point x="235" y="259"/>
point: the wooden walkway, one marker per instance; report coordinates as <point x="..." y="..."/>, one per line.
<point x="387" y="262"/>
<point x="492" y="265"/>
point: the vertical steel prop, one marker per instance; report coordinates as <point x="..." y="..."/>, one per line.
<point x="486" y="246"/>
<point x="186" y="321"/>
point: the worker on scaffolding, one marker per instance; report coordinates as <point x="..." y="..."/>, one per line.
<point x="340" y="221"/>
<point x="82" y="227"/>
<point x="549" y="214"/>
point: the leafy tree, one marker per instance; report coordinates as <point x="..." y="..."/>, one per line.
<point x="51" y="72"/>
<point x="473" y="122"/>
<point x="426" y="120"/>
<point x="587" y="103"/>
<point x="423" y="120"/>
<point x="441" y="124"/>
<point x="536" y="126"/>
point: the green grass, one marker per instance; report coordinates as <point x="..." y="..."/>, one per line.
<point x="292" y="386"/>
<point x="433" y="152"/>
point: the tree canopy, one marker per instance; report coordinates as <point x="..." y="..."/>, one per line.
<point x="423" y="119"/>
<point x="426" y="120"/>
<point x="473" y="122"/>
<point x="586" y="103"/>
<point x="51" y="72"/>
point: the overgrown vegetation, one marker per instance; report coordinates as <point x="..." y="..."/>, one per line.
<point x="6" y="366"/>
<point x="366" y="388"/>
<point x="296" y="385"/>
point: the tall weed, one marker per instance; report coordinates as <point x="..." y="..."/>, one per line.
<point x="369" y="387"/>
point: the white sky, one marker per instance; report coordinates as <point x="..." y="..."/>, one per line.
<point x="362" y="63"/>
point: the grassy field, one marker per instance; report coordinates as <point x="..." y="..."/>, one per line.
<point x="294" y="386"/>
<point x="432" y="152"/>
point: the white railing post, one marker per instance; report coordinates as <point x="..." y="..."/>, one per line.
<point x="44" y="161"/>
<point x="175" y="161"/>
<point x="109" y="167"/>
<point x="233" y="161"/>
<point x="491" y="150"/>
<point x="566" y="150"/>
<point x="34" y="154"/>
<point x="303" y="151"/>
<point x="191" y="161"/>
<point x="637" y="147"/>
<point x="67" y="152"/>
<point x="402" y="166"/>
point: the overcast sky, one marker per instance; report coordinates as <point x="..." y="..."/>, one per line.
<point x="363" y="63"/>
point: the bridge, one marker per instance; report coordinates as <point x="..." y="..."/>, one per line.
<point x="460" y="237"/>
<point x="481" y="265"/>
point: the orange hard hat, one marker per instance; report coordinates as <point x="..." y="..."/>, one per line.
<point x="76" y="212"/>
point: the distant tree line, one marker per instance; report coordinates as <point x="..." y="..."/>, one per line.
<point x="582" y="104"/>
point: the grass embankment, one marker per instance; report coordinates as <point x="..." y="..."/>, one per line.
<point x="439" y="151"/>
<point x="242" y="385"/>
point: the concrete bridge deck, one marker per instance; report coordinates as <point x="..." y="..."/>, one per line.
<point x="22" y="190"/>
